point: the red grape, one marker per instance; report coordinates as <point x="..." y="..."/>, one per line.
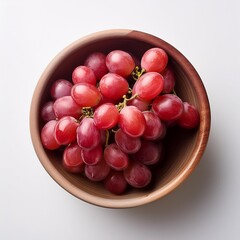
<point x="113" y="86"/>
<point x="97" y="172"/>
<point x="155" y="128"/>
<point x="47" y="135"/>
<point x="126" y="143"/>
<point x="83" y="74"/>
<point x="97" y="62"/>
<point x="120" y="62"/>
<point x="149" y="86"/>
<point x="47" y="112"/>
<point x="168" y="107"/>
<point x="106" y="116"/>
<point x="92" y="156"/>
<point x="115" y="182"/>
<point x="65" y="130"/>
<point x="132" y="121"/>
<point x="137" y="174"/>
<point x="142" y="105"/>
<point x="149" y="153"/>
<point x="86" y="95"/>
<point x="115" y="157"/>
<point x="169" y="80"/>
<point x="61" y="88"/>
<point x="189" y="117"/>
<point x="72" y="160"/>
<point x="66" y="106"/>
<point x="154" y="60"/>
<point x="88" y="136"/>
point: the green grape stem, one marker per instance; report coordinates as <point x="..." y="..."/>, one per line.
<point x="137" y="73"/>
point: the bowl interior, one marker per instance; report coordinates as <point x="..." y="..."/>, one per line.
<point x="184" y="148"/>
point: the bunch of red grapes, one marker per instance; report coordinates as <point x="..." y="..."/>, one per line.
<point x="109" y="121"/>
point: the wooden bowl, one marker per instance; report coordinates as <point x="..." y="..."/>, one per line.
<point x="184" y="147"/>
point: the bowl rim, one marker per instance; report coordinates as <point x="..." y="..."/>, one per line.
<point x="202" y="138"/>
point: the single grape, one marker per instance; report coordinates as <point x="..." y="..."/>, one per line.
<point x="167" y="107"/>
<point x="88" y="135"/>
<point x="65" y="130"/>
<point x="86" y="95"/>
<point x="97" y="172"/>
<point x="132" y="121"/>
<point x="189" y="117"/>
<point x="113" y="86"/>
<point x="66" y="106"/>
<point x="83" y="74"/>
<point x="148" y="86"/>
<point x="154" y="60"/>
<point x="47" y="112"/>
<point x="137" y="174"/>
<point x="115" y="182"/>
<point x="126" y="143"/>
<point x="155" y="128"/>
<point x="169" y="80"/>
<point x="47" y="135"/>
<point x="72" y="159"/>
<point x="115" y="157"/>
<point x="97" y="62"/>
<point x="142" y="105"/>
<point x="149" y="153"/>
<point x="120" y="62"/>
<point x="92" y="156"/>
<point x="106" y="116"/>
<point x="60" y="88"/>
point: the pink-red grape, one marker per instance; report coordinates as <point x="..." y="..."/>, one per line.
<point x="85" y="94"/>
<point x="113" y="86"/>
<point x="115" y="157"/>
<point x="88" y="135"/>
<point x="155" y="128"/>
<point x="97" y="62"/>
<point x="149" y="153"/>
<point x="142" y="105"/>
<point x="106" y="116"/>
<point x="60" y="88"/>
<point x="154" y="60"/>
<point x="92" y="156"/>
<point x="169" y="80"/>
<point x="97" y="172"/>
<point x="137" y="174"/>
<point x="47" y="112"/>
<point x="120" y="62"/>
<point x="72" y="159"/>
<point x="66" y="106"/>
<point x="47" y="135"/>
<point x="126" y="143"/>
<point x="132" y="121"/>
<point x="83" y="74"/>
<point x="167" y="107"/>
<point x="65" y="130"/>
<point x="149" y="86"/>
<point x="189" y="117"/>
<point x="115" y="182"/>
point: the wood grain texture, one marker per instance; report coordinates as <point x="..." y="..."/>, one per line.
<point x="184" y="148"/>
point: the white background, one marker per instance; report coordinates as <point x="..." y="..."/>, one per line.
<point x="33" y="206"/>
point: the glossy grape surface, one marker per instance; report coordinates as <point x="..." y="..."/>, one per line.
<point x="168" y="107"/>
<point x="120" y="62"/>
<point x="154" y="60"/>
<point x="61" y="88"/>
<point x="88" y="135"/>
<point x="132" y="121"/>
